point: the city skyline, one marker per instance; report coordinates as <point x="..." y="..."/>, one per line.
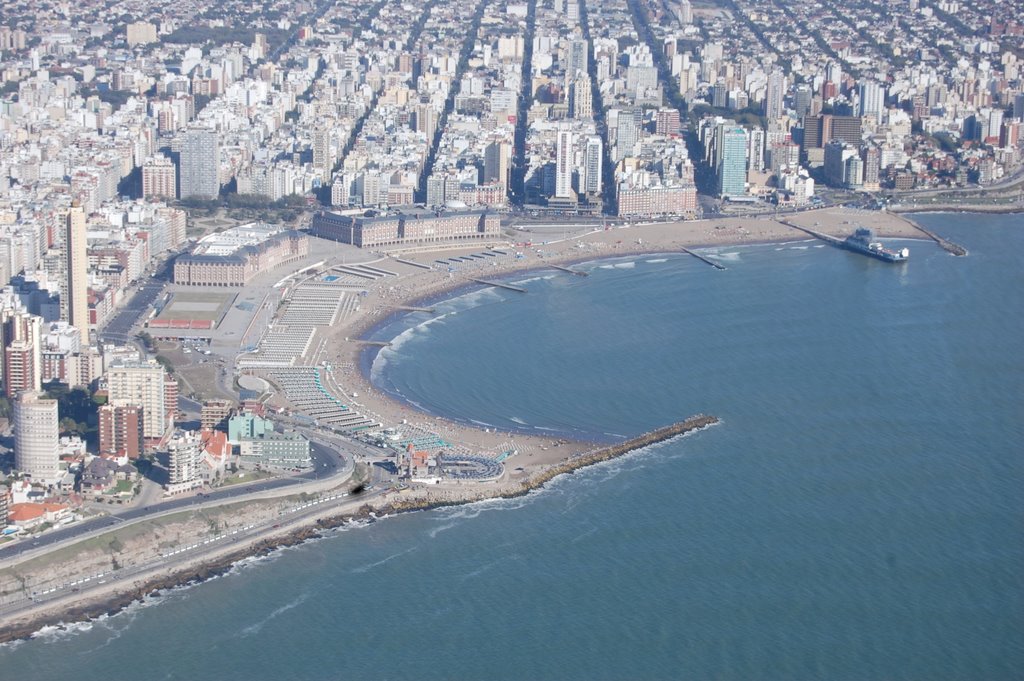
<point x="211" y="214"/>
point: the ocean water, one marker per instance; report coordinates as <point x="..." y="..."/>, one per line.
<point x="856" y="515"/>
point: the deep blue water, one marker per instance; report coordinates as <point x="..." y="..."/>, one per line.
<point x="857" y="515"/>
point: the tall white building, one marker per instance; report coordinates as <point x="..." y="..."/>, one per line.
<point x="755" y="149"/>
<point x="200" y="164"/>
<point x="581" y="99"/>
<point x="76" y="268"/>
<point x="592" y="166"/>
<point x="685" y="12"/>
<point x="37" y="436"/>
<point x="578" y="52"/>
<point x="183" y="457"/>
<point x="322" y="158"/>
<point x="159" y="178"/>
<point x="144" y="384"/>
<point x="564" y="165"/>
<point x="773" y="100"/>
<point x="21" y="361"/>
<point x="627" y="133"/>
<point x="872" y="99"/>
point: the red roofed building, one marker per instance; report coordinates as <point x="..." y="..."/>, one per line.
<point x="215" y="455"/>
<point x="28" y="515"/>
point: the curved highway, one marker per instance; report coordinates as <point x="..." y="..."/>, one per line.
<point x="328" y="462"/>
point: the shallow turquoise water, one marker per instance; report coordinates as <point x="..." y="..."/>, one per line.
<point x="857" y="515"/>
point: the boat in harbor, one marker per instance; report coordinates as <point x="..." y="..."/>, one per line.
<point x="863" y="241"/>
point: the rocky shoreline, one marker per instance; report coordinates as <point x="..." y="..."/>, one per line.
<point x="958" y="208"/>
<point x="215" y="567"/>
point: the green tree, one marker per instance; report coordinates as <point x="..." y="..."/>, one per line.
<point x="77" y="409"/>
<point x="165" y="363"/>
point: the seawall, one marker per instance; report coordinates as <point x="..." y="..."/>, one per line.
<point x="111" y="604"/>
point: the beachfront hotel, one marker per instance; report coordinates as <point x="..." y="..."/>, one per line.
<point x="407" y="229"/>
<point x="235" y="256"/>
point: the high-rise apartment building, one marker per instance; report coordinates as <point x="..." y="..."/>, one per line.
<point x="720" y="95"/>
<point x="159" y="178"/>
<point x="20" y="334"/>
<point x="322" y="159"/>
<point x="666" y="121"/>
<point x="564" y="165"/>
<point x="200" y="164"/>
<point x="259" y="48"/>
<point x="627" y="133"/>
<point x="685" y="12"/>
<point x="731" y="160"/>
<point x="871" y="156"/>
<point x="802" y="96"/>
<point x="497" y="159"/>
<point x="183" y="461"/>
<point x="844" y="166"/>
<point x="773" y="100"/>
<point x="871" y="99"/>
<point x="593" y="160"/>
<point x="120" y="430"/>
<point x="142" y="384"/>
<point x="822" y="129"/>
<point x="76" y="273"/>
<point x="426" y="120"/>
<point x="37" y="436"/>
<point x="1009" y="135"/>
<point x="755" y="149"/>
<point x="578" y="53"/>
<point x="581" y="99"/>
<point x="177" y="226"/>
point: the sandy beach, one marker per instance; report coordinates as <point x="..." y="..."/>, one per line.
<point x="537" y="459"/>
<point x="417" y="287"/>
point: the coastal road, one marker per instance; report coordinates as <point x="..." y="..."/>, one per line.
<point x="328" y="462"/>
<point x="302" y="514"/>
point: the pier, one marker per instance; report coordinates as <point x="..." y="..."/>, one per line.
<point x="834" y="241"/>
<point x="410" y="308"/>
<point x="717" y="266"/>
<point x="578" y="273"/>
<point x="510" y="287"/>
<point x="948" y="246"/>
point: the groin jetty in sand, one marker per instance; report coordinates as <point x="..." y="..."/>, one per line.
<point x="578" y="273"/>
<point x="111" y="603"/>
<point x="709" y="261"/>
<point x="946" y="244"/>
<point x="500" y="284"/>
